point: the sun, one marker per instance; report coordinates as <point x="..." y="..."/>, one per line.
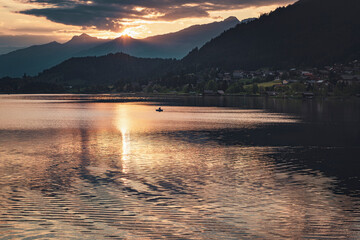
<point x="129" y="32"/>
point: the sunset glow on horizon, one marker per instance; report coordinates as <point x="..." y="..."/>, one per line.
<point x="28" y="22"/>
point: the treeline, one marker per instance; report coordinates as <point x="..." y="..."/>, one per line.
<point x="307" y="33"/>
<point x="111" y="73"/>
<point x="107" y="70"/>
<point x="253" y="87"/>
<point x="187" y="84"/>
<point x="28" y="85"/>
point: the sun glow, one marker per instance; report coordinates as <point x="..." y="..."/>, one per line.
<point x="129" y="32"/>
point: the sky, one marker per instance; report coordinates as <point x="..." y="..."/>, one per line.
<point x="28" y="22"/>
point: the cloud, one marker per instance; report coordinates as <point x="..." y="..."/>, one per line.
<point x="33" y="30"/>
<point x="111" y="14"/>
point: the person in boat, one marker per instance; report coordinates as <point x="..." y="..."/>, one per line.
<point x="159" y="109"/>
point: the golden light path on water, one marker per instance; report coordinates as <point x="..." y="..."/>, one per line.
<point x="124" y="171"/>
<point x="122" y="124"/>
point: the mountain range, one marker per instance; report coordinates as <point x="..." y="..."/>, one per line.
<point x="308" y="33"/>
<point x="34" y="59"/>
<point x="171" y="45"/>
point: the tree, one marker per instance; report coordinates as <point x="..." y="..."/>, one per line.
<point x="298" y="87"/>
<point x="211" y="85"/>
<point x="255" y="88"/>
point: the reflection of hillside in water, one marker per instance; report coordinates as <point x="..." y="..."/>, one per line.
<point x="149" y="176"/>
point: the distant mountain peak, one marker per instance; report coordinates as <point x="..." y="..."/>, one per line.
<point x="230" y="19"/>
<point x="82" y="38"/>
<point x="84" y="35"/>
<point x="53" y="43"/>
<point x="247" y="20"/>
<point x="124" y="38"/>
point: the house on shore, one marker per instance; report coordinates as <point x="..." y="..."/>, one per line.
<point x="350" y="79"/>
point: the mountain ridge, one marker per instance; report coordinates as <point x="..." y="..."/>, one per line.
<point x="307" y="33"/>
<point x="106" y="70"/>
<point x="34" y="59"/>
<point x="170" y="45"/>
<point x="329" y="34"/>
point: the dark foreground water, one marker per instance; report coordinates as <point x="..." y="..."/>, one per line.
<point x="109" y="167"/>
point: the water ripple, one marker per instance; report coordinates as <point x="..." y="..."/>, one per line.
<point x="133" y="177"/>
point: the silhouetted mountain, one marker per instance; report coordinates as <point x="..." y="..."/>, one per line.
<point x="307" y="33"/>
<point x="171" y="45"/>
<point x="104" y="70"/>
<point x="35" y="59"/>
<point x="84" y="39"/>
<point x="180" y="43"/>
<point x="123" y="44"/>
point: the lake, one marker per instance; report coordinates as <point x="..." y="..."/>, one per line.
<point x="111" y="167"/>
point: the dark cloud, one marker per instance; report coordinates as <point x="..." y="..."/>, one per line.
<point x="33" y="30"/>
<point x="109" y="14"/>
<point x="184" y="12"/>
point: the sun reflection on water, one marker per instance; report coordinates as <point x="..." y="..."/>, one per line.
<point x="122" y="123"/>
<point x="127" y="170"/>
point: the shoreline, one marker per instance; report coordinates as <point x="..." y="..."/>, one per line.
<point x="175" y="95"/>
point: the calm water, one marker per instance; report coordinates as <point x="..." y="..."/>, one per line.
<point x="110" y="167"/>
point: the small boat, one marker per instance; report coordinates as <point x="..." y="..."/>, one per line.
<point x="159" y="110"/>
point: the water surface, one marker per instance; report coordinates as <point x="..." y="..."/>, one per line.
<point x="110" y="167"/>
